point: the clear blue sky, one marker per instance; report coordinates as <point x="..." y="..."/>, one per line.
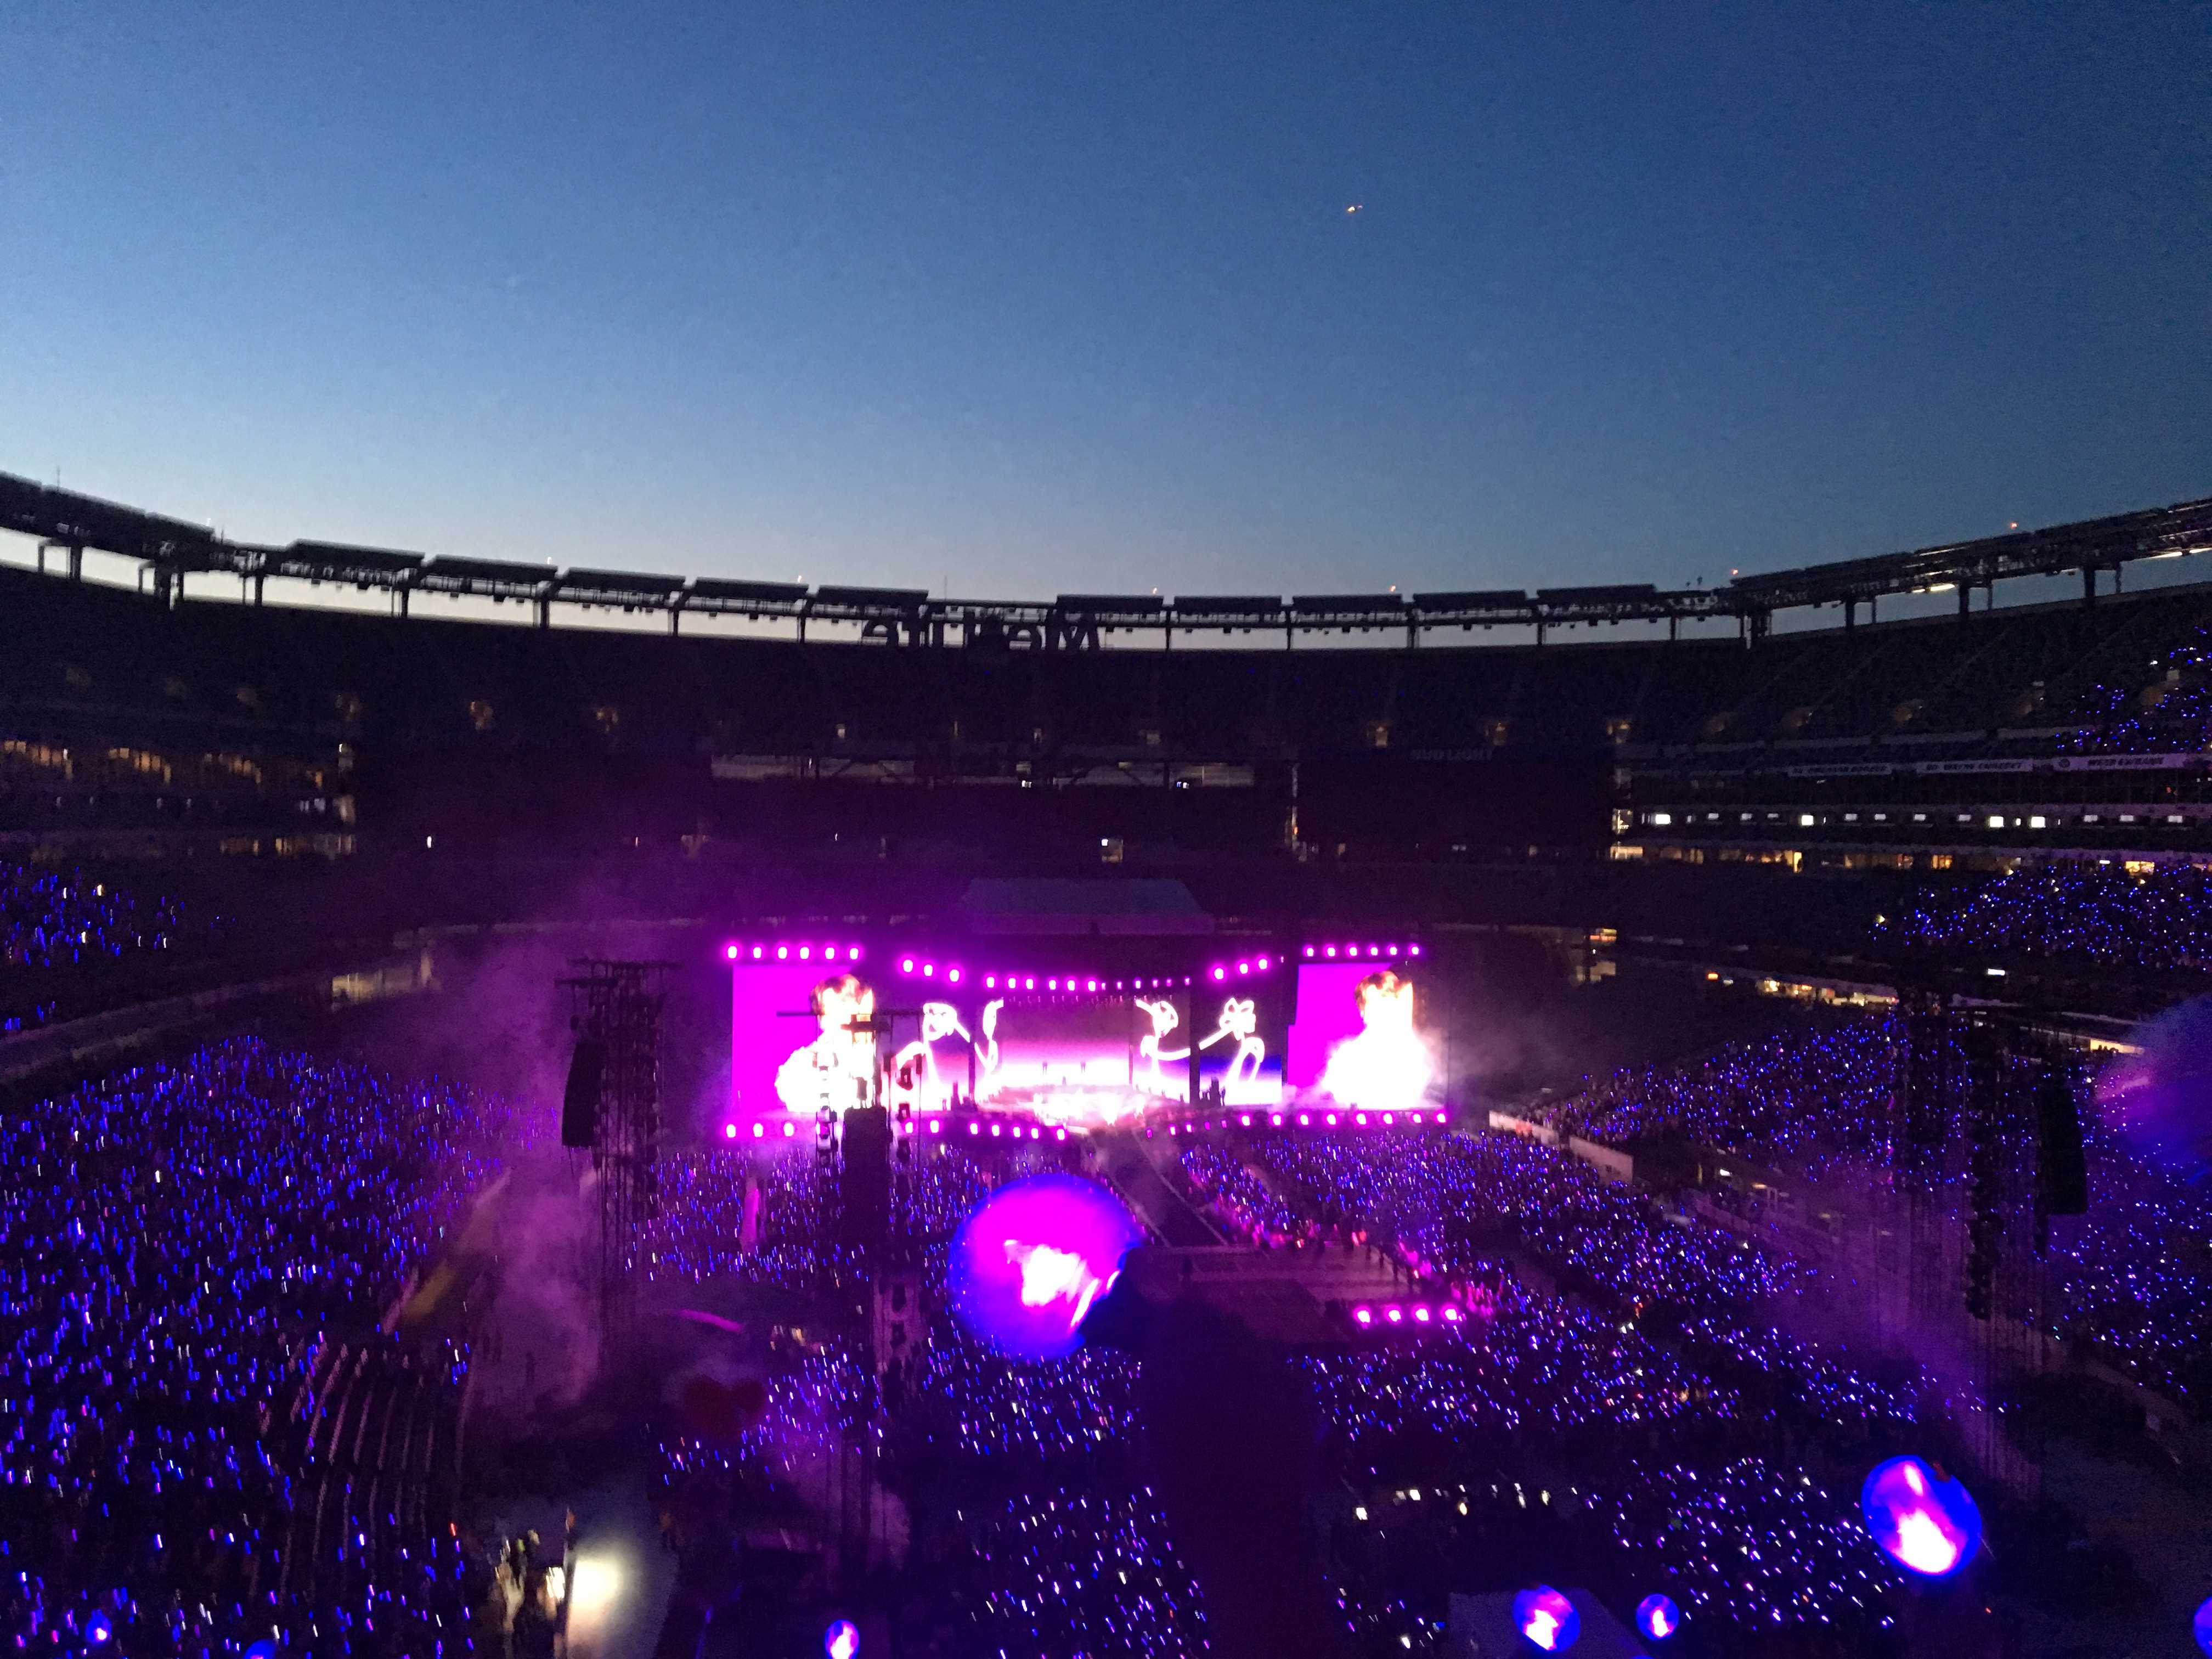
<point x="1039" y="298"/>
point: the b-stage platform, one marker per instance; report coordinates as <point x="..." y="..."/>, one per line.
<point x="1281" y="1295"/>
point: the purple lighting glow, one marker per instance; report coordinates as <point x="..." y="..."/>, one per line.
<point x="1547" y="1619"/>
<point x="1034" y="1257"/>
<point x="1657" y="1616"/>
<point x="2201" y="1626"/>
<point x="842" y="1640"/>
<point x="1926" y="1523"/>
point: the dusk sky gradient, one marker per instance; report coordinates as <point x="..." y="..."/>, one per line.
<point x="1035" y="298"/>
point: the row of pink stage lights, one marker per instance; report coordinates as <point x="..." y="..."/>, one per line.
<point x="789" y="953"/>
<point x="934" y="1126"/>
<point x="1337" y="1120"/>
<point x="1396" y="1315"/>
<point x="952" y="973"/>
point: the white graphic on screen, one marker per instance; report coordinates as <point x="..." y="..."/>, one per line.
<point x="1387" y="1067"/>
<point x="1240" y="1021"/>
<point x="915" y="1077"/>
<point x="1151" y="1056"/>
<point x="986" y="1048"/>
<point x="831" y="1072"/>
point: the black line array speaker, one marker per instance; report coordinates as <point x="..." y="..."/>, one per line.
<point x="580" y="1102"/>
<point x="865" y="1183"/>
<point x="2061" y="1175"/>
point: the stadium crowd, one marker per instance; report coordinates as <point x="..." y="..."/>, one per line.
<point x="58" y="922"/>
<point x="59" y="917"/>
<point x="184" y="1457"/>
<point x="2175" y="713"/>
<point x="194" y="1257"/>
<point x="2132" y="1278"/>
<point x="1034" y="1467"/>
<point x="1239" y="1198"/>
<point x="2157" y="921"/>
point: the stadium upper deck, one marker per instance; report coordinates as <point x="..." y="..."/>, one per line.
<point x="123" y="708"/>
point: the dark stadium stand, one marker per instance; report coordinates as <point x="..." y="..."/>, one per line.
<point x="2000" y="734"/>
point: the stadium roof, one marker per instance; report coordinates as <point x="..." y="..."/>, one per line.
<point x="172" y="549"/>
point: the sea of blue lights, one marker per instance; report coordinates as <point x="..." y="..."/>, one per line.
<point x="159" y="1401"/>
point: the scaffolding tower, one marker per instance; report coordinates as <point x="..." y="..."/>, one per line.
<point x="617" y="1004"/>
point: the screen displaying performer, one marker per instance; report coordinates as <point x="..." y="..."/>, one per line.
<point x="1358" y="1040"/>
<point x="833" y="1066"/>
<point x="792" y="1049"/>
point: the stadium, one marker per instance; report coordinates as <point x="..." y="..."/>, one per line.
<point x="653" y="1114"/>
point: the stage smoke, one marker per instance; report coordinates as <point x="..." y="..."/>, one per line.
<point x="2159" y="1101"/>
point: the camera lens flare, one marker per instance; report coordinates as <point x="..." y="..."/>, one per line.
<point x="1926" y="1523"/>
<point x="1547" y="1619"/>
<point x="1034" y="1258"/>
<point x="1657" y="1616"/>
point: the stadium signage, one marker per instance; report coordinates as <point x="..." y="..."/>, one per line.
<point x="1952" y="767"/>
<point x="2124" y="762"/>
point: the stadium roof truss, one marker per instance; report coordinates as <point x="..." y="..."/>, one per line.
<point x="169" y="550"/>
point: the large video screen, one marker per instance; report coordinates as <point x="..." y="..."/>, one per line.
<point x="931" y="1061"/>
<point x="1362" y="1038"/>
<point x="791" y="1046"/>
<point x="1239" y="1033"/>
<point x="1083" y="1061"/>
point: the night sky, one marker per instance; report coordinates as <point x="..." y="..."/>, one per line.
<point x="1039" y="298"/>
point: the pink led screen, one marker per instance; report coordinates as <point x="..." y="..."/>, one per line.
<point x="1362" y="1038"/>
<point x="789" y="1049"/>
